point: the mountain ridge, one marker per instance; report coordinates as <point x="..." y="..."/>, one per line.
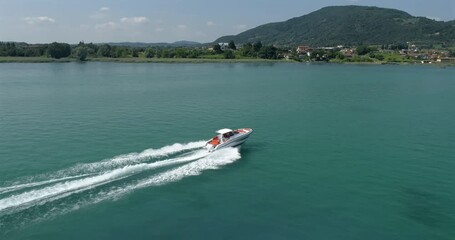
<point x="349" y="25"/>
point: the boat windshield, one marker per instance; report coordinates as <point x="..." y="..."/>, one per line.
<point x="230" y="134"/>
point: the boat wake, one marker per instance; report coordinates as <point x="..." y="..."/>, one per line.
<point x="45" y="196"/>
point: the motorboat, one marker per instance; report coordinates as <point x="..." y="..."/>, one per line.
<point x="228" y="138"/>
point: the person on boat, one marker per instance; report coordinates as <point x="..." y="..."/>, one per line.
<point x="215" y="141"/>
<point x="226" y="137"/>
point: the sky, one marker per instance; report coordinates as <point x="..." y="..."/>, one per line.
<point x="44" y="21"/>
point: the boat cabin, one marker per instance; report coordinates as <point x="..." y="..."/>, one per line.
<point x="223" y="136"/>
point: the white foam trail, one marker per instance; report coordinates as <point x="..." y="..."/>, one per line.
<point x="132" y="158"/>
<point x="212" y="161"/>
<point x="36" y="184"/>
<point x="103" y="166"/>
<point x="66" y="188"/>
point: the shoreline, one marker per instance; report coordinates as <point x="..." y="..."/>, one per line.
<point x="199" y="60"/>
<point x="136" y="60"/>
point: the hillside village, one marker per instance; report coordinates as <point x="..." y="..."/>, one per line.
<point x="408" y="53"/>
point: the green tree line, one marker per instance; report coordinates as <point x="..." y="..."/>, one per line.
<point x="82" y="51"/>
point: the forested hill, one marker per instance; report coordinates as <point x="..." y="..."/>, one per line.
<point x="350" y="25"/>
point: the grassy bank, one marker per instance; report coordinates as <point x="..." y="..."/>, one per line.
<point x="181" y="60"/>
<point x="195" y="60"/>
<point x="33" y="60"/>
<point x="134" y="60"/>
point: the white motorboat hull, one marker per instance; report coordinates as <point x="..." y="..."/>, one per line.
<point x="234" y="141"/>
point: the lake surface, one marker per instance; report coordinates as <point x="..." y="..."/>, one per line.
<point x="89" y="151"/>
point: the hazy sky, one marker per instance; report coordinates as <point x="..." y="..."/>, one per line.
<point x="37" y="21"/>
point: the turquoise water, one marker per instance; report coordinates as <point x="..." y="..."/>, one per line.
<point x="89" y="151"/>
